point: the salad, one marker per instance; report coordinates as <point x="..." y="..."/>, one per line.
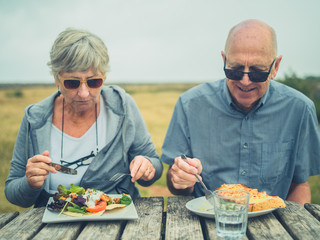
<point x="77" y="201"/>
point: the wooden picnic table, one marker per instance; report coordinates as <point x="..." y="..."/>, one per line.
<point x="292" y="222"/>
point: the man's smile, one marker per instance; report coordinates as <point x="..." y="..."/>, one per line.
<point x="245" y="89"/>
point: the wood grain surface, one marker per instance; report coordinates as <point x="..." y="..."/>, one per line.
<point x="180" y="222"/>
<point x="149" y="223"/>
<point x="7" y="217"/>
<point x="291" y="222"/>
<point x="298" y="222"/>
<point x="26" y="226"/>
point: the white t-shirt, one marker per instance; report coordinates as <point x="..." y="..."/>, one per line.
<point x="76" y="148"/>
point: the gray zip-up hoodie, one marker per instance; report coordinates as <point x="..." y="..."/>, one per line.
<point x="130" y="138"/>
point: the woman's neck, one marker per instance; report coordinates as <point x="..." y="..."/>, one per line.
<point x="76" y="123"/>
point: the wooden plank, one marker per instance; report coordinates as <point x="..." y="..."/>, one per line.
<point x="266" y="227"/>
<point x="180" y="222"/>
<point x="209" y="229"/>
<point x="60" y="231"/>
<point x="314" y="209"/>
<point x="25" y="226"/>
<point x="149" y="223"/>
<point x="299" y="223"/>
<point x="7" y="217"/>
<point x="110" y="230"/>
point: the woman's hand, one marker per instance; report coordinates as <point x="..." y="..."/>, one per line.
<point x="141" y="168"/>
<point x="38" y="169"/>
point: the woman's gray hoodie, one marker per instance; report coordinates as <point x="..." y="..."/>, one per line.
<point x="130" y="138"/>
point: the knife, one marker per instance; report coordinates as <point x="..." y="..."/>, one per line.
<point x="64" y="169"/>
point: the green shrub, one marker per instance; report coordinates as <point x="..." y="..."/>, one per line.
<point x="14" y="94"/>
<point x="309" y="86"/>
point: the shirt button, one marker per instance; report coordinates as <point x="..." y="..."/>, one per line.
<point x="245" y="145"/>
<point x="246" y="118"/>
<point x="243" y="173"/>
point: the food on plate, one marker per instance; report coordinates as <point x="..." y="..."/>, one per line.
<point x="258" y="201"/>
<point x="77" y="201"/>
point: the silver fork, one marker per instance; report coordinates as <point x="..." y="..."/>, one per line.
<point x="118" y="176"/>
<point x="208" y="193"/>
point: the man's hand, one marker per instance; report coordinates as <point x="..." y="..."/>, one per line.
<point x="180" y="176"/>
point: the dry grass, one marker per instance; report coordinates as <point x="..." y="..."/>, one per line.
<point x="156" y="103"/>
<point x="12" y="110"/>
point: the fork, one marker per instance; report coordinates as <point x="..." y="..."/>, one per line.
<point x="208" y="193"/>
<point x="118" y="176"/>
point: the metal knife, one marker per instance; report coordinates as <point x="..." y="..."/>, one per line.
<point x="64" y="169"/>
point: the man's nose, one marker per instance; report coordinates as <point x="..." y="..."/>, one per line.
<point x="83" y="90"/>
<point x="245" y="79"/>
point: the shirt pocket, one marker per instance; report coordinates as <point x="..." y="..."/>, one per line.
<point x="274" y="161"/>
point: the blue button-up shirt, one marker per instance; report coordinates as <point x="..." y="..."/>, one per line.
<point x="270" y="147"/>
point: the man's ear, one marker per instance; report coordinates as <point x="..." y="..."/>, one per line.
<point x="276" y="67"/>
<point x="223" y="55"/>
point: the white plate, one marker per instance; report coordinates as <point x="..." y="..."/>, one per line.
<point x="127" y="213"/>
<point x="202" y="207"/>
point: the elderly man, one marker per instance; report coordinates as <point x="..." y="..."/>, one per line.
<point x="246" y="128"/>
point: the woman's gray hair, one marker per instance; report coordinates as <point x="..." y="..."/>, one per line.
<point x="78" y="50"/>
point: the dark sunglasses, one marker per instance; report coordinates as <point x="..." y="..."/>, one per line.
<point x="253" y="76"/>
<point x="72" y="83"/>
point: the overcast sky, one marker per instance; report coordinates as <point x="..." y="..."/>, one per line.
<point x="154" y="40"/>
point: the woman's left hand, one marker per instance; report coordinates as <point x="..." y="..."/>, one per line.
<point x="141" y="168"/>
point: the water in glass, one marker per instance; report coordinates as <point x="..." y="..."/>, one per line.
<point x="231" y="213"/>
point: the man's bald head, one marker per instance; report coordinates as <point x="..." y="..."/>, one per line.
<point x="252" y="29"/>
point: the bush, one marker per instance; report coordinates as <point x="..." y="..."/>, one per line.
<point x="14" y="94"/>
<point x="309" y="86"/>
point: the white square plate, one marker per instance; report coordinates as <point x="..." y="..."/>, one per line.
<point x="127" y="213"/>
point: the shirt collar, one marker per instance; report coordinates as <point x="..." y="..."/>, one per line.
<point x="228" y="97"/>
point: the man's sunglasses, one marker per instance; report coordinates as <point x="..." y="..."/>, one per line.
<point x="72" y="83"/>
<point x="253" y="76"/>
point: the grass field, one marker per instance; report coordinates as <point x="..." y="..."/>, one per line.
<point x="156" y="103"/>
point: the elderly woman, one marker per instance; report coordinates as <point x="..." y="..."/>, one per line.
<point x="86" y="126"/>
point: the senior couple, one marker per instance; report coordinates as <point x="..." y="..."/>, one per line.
<point x="245" y="128"/>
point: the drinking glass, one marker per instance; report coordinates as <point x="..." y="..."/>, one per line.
<point x="231" y="212"/>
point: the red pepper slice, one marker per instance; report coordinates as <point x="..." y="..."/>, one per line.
<point x="100" y="206"/>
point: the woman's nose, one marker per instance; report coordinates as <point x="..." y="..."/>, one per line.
<point x="83" y="90"/>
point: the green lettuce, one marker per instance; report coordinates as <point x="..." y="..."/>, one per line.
<point x="125" y="200"/>
<point x="63" y="191"/>
<point x="76" y="189"/>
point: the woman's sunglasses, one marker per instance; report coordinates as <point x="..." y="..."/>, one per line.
<point x="72" y="83"/>
<point x="84" y="161"/>
<point x="253" y="76"/>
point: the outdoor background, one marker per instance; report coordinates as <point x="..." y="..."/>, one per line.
<point x="154" y="40"/>
<point x="156" y="103"/>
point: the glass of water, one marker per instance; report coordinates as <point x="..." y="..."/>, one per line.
<point x="231" y="212"/>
